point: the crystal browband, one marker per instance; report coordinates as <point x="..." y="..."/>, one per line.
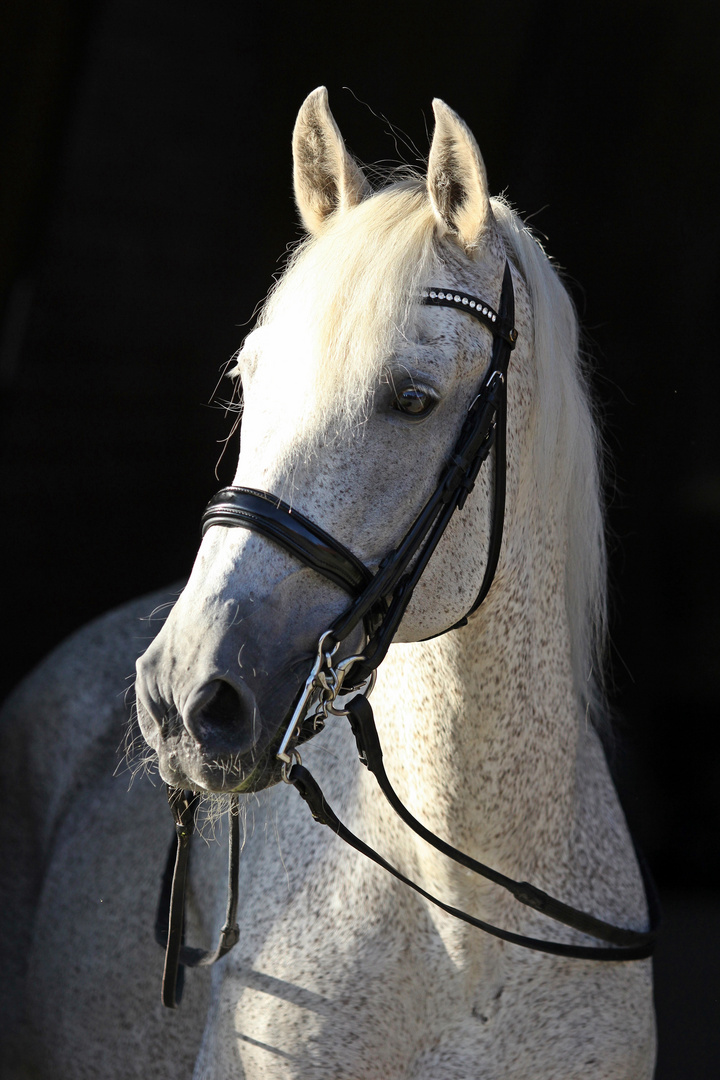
<point x="436" y="297"/>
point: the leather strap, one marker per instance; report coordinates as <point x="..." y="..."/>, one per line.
<point x="264" y="513"/>
<point x="626" y="944"/>
<point x="501" y="356"/>
<point x="170" y="918"/>
<point x="399" y="573"/>
<point x="632" y="944"/>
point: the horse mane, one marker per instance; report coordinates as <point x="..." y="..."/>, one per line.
<point x="567" y="455"/>
<point x="376" y="259"/>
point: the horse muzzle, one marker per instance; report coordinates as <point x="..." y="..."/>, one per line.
<point x="217" y="688"/>
<point x="223" y="735"/>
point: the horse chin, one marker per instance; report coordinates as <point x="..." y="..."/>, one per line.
<point x="182" y="763"/>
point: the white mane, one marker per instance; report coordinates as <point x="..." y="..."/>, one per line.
<point x="346" y="300"/>
<point x="567" y="451"/>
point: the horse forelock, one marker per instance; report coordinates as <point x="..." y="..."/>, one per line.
<point x="343" y="306"/>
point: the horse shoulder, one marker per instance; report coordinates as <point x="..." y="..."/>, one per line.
<point x="81" y="855"/>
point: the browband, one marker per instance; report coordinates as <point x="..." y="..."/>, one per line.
<point x="499" y="325"/>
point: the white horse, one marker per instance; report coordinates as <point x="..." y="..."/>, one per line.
<point x="354" y="394"/>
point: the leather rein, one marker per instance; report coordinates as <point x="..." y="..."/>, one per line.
<point x="379" y="603"/>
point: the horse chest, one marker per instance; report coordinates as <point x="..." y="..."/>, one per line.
<point x="380" y="1015"/>
<point x="346" y="977"/>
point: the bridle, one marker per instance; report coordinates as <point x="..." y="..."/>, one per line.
<point x="379" y="602"/>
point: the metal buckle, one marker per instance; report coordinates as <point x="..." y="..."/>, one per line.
<point x="326" y="681"/>
<point x="293" y="759"/>
<point x="311" y="684"/>
<point x="366" y="688"/>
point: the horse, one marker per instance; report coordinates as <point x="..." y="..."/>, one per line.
<point x="358" y="385"/>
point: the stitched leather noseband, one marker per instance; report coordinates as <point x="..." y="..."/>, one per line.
<point x="379" y="602"/>
<point x="271" y="517"/>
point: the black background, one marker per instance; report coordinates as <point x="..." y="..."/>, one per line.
<point x="145" y="203"/>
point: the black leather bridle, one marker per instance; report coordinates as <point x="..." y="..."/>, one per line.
<point x="380" y="599"/>
<point x="379" y="602"/>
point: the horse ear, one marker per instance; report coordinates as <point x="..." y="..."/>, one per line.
<point x="326" y="177"/>
<point x="457" y="181"/>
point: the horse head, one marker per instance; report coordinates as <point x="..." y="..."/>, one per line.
<point x="354" y="395"/>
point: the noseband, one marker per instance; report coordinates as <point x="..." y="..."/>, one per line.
<point x="379" y="601"/>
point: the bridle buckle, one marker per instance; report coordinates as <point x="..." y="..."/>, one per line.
<point x="325" y="682"/>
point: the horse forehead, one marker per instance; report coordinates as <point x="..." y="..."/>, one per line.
<point x="445" y="341"/>
<point x="451" y="328"/>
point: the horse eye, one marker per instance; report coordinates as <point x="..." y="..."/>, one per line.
<point x="414" y="401"/>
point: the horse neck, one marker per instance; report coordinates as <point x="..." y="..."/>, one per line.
<point x="480" y="726"/>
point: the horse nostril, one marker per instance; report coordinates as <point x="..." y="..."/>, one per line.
<point x="224" y="705"/>
<point x="221" y="717"/>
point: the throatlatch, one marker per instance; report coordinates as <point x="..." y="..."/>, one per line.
<point x="379" y="602"/>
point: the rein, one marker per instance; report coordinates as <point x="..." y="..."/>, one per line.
<point x="628" y="944"/>
<point x="170" y="919"/>
<point x="379" y="602"/>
